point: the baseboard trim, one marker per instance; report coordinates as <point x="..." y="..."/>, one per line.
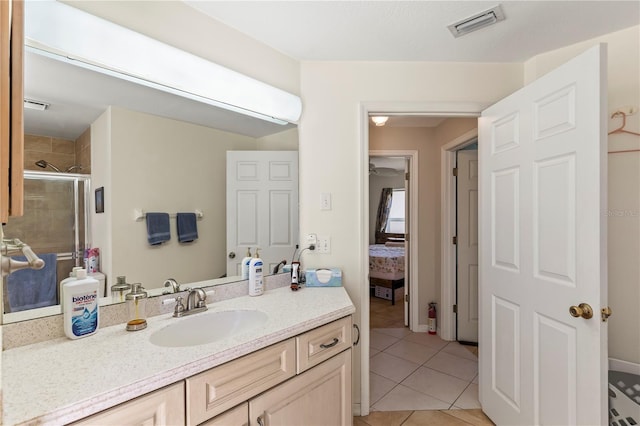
<point x="356" y="409"/>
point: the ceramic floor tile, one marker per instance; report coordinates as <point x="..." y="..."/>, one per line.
<point x="373" y="352"/>
<point x="410" y="351"/>
<point x="439" y="418"/>
<point x="469" y="398"/>
<point x="358" y="422"/>
<point x="404" y="398"/>
<point x="378" y="387"/>
<point x="395" y="332"/>
<point x="455" y="348"/>
<point x="386" y="418"/>
<point x="475" y="417"/>
<point x="427" y="339"/>
<point x="391" y="367"/>
<point x="475" y="380"/>
<point x="453" y="365"/>
<point x="433" y="383"/>
<point x="381" y="341"/>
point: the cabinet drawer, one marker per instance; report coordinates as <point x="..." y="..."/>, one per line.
<point x="322" y="343"/>
<point x="162" y="407"/>
<point x="221" y="388"/>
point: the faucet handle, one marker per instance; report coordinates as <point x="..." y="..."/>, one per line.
<point x="179" y="305"/>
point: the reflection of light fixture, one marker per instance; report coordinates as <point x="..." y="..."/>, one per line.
<point x="477" y="21"/>
<point x="62" y="31"/>
<point x="33" y="104"/>
<point x="379" y="120"/>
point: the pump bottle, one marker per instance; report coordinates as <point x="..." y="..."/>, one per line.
<point x="245" y="264"/>
<point x="255" y="276"/>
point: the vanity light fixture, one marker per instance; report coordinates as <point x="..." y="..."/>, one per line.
<point x="53" y="29"/>
<point x="37" y="105"/>
<point x="379" y="120"/>
<point x="477" y="21"/>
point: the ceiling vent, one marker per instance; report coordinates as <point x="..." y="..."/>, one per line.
<point x="33" y="104"/>
<point x="477" y="21"/>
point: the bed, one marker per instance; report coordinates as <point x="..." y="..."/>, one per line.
<point x="386" y="266"/>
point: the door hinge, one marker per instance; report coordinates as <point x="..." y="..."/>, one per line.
<point x="406" y="298"/>
<point x="455" y="171"/>
<point x="455" y="240"/>
<point x="455" y="309"/>
<point x="406" y="176"/>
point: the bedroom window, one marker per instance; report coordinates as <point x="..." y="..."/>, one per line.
<point x="395" y="223"/>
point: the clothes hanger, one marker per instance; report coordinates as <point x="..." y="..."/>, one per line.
<point x="622" y="130"/>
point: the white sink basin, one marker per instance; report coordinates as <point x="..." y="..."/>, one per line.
<point x="207" y="327"/>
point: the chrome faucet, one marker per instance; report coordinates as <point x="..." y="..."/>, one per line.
<point x="193" y="306"/>
<point x="171" y="282"/>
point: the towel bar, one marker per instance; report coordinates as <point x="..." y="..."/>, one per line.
<point x="9" y="265"/>
<point x="139" y="214"/>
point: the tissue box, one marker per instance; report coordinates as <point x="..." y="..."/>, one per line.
<point x="324" y="277"/>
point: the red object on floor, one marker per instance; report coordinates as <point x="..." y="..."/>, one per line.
<point x="432" y="318"/>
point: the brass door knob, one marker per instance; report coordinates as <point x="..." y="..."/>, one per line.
<point x="582" y="310"/>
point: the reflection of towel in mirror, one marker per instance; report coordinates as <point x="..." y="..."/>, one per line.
<point x="158" y="228"/>
<point x="187" y="227"/>
<point x="32" y="288"/>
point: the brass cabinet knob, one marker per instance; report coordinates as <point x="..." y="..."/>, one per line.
<point x="582" y="310"/>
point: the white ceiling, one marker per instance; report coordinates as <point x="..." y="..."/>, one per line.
<point x="328" y="30"/>
<point x="417" y="30"/>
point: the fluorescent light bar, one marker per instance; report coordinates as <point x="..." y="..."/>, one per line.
<point x="477" y="21"/>
<point x="82" y="38"/>
<point x="37" y="105"/>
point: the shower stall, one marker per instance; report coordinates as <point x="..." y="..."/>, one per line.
<point x="55" y="225"/>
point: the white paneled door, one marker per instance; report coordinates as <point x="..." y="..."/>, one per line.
<point x="262" y="206"/>
<point x="467" y="245"/>
<point x="543" y="249"/>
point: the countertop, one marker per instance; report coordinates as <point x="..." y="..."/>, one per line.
<point x="63" y="380"/>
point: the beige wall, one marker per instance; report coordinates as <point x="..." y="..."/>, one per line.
<point x="169" y="166"/>
<point x="624" y="182"/>
<point x="331" y="157"/>
<point x="283" y="141"/>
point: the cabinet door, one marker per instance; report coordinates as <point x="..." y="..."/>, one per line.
<point x="238" y="416"/>
<point x="11" y="108"/>
<point x="162" y="407"/>
<point x="319" y="396"/>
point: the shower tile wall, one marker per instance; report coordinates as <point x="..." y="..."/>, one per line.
<point x="59" y="152"/>
<point x="83" y="152"/>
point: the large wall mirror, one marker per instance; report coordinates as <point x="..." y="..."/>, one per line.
<point x="149" y="150"/>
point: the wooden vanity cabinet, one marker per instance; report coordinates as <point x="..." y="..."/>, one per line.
<point x="304" y="380"/>
<point x="163" y="407"/>
<point x="11" y="108"/>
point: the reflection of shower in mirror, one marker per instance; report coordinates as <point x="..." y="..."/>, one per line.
<point x="44" y="164"/>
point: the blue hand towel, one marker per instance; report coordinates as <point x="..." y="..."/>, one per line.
<point x="158" y="228"/>
<point x="34" y="288"/>
<point x="187" y="227"/>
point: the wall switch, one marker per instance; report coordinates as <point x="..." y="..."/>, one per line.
<point x="312" y="239"/>
<point x="325" y="201"/>
<point x="324" y="244"/>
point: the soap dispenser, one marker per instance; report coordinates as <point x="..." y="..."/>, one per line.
<point x="120" y="289"/>
<point x="136" y="308"/>
<point x="255" y="276"/>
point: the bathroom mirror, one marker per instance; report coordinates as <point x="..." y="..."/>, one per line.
<point x="151" y="151"/>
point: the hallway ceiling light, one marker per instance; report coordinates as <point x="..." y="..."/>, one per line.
<point x="55" y="29"/>
<point x="379" y="120"/>
<point x="477" y="21"/>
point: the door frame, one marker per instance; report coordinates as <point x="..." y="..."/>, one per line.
<point x="433" y="109"/>
<point x="448" y="207"/>
<point x="412" y="273"/>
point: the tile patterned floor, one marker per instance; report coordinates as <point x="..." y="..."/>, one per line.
<point x="417" y="378"/>
<point x="418" y="371"/>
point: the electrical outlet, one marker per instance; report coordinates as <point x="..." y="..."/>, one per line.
<point x="312" y="239"/>
<point x="324" y="244"/>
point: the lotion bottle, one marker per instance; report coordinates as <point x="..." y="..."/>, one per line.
<point x="256" y="287"/>
<point x="245" y="264"/>
<point x="80" y="304"/>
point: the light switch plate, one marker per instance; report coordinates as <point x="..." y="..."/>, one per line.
<point x="324" y="244"/>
